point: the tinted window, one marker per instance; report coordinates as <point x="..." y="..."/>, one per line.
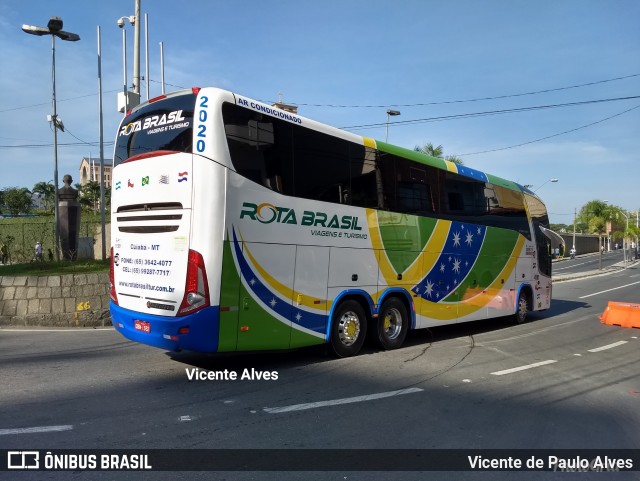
<point x="297" y="161"/>
<point x="261" y="147"/>
<point x="539" y="219"/>
<point x="163" y="125"/>
<point x="301" y="162"/>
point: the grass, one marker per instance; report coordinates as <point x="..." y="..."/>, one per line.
<point x="21" y="234"/>
<point x="54" y="268"/>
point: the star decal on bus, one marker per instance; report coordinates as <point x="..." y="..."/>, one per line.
<point x="469" y="239"/>
<point x="268" y="295"/>
<point x="456" y="239"/>
<point x="456" y="265"/>
<point x="428" y="290"/>
<point x="450" y="272"/>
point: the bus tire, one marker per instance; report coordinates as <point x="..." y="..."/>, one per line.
<point x="521" y="308"/>
<point x="348" y="328"/>
<point x="391" y="325"/>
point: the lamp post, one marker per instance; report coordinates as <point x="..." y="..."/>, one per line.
<point x="54" y="28"/>
<point x="390" y="113"/>
<point x="125" y="101"/>
<point x="624" y="237"/>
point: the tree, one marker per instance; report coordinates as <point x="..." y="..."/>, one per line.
<point x="17" y="200"/>
<point x="89" y="194"/>
<point x="438" y="152"/>
<point x="596" y="214"/>
<point x="47" y="191"/>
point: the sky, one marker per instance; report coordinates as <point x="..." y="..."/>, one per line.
<point x="345" y="63"/>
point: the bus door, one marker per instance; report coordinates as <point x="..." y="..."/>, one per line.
<point x="264" y="316"/>
<point x="310" y="304"/>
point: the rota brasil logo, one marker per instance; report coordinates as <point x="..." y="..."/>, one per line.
<point x="154" y="121"/>
<point x="266" y="213"/>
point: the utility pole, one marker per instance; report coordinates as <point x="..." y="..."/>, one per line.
<point x="574" y="227"/>
<point x="136" y="50"/>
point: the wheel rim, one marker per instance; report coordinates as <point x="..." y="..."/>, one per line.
<point x="522" y="308"/>
<point x="349" y="328"/>
<point x="392" y="323"/>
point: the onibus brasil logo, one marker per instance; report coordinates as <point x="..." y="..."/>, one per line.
<point x="266" y="213"/>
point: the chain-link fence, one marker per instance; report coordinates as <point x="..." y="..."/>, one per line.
<point x="19" y="236"/>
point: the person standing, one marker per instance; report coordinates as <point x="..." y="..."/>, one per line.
<point x="38" y="250"/>
<point x="4" y="253"/>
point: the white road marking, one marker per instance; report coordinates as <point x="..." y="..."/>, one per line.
<point x="38" y="429"/>
<point x="609" y="290"/>
<point x="336" y="402"/>
<point x="608" y="346"/>
<point x="523" y="368"/>
<point x="569" y="267"/>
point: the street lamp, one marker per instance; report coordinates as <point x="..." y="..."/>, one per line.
<point x="390" y="113"/>
<point x="54" y="28"/>
<point x="550" y="180"/>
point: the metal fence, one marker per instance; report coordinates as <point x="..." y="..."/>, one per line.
<point x="20" y="237"/>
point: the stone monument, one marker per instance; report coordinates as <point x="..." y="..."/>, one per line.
<point x="69" y="219"/>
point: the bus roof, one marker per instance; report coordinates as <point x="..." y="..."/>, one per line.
<point x="380" y="146"/>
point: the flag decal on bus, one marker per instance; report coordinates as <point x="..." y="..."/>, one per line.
<point x="458" y="256"/>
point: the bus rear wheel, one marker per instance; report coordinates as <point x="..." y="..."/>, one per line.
<point x="348" y="328"/>
<point x="392" y="324"/>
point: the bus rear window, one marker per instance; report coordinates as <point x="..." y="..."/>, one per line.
<point x="162" y="125"/>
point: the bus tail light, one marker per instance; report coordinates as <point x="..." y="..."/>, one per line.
<point x="112" y="288"/>
<point x="196" y="290"/>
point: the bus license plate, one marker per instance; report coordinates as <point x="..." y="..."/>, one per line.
<point x="142" y="326"/>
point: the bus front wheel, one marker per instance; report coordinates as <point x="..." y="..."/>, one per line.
<point x="348" y="329"/>
<point x="522" y="308"/>
<point x="392" y="324"/>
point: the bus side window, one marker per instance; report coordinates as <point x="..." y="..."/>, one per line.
<point x="274" y="183"/>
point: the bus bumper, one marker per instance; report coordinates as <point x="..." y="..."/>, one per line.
<point x="170" y="333"/>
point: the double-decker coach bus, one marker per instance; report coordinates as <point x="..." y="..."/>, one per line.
<point x="237" y="226"/>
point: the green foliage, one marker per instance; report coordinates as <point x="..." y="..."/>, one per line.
<point x="54" y="268"/>
<point x="17" y="200"/>
<point x="561" y="228"/>
<point x="21" y="234"/>
<point x="595" y="214"/>
<point x="47" y="191"/>
<point x="89" y="196"/>
<point x="433" y="151"/>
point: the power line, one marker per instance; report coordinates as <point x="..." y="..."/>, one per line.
<point x="37" y="146"/>
<point x="61" y="100"/>
<point x="487" y="113"/>
<point x="444" y="102"/>
<point x="551" y="136"/>
<point x="422" y="104"/>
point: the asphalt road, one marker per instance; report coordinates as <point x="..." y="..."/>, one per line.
<point x="587" y="262"/>
<point x="562" y="380"/>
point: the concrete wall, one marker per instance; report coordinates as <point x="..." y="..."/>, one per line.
<point x="71" y="300"/>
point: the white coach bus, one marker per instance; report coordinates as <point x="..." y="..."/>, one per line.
<point x="237" y="226"/>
